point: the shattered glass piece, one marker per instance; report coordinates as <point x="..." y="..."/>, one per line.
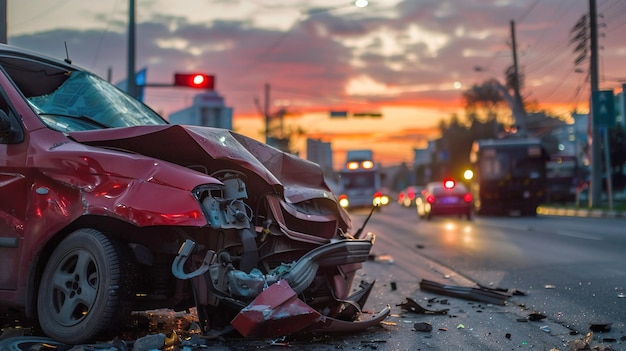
<point x="149" y="342"/>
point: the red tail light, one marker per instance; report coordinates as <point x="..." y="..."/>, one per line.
<point x="467" y="197"/>
<point x="430" y="199"/>
<point x="449" y="183"/>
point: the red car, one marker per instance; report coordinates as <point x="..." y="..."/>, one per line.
<point x="106" y="208"/>
<point x="445" y="198"/>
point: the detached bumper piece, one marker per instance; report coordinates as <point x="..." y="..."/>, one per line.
<point x="278" y="312"/>
<point x="275" y="312"/>
<point x="270" y="306"/>
<point x="469" y="293"/>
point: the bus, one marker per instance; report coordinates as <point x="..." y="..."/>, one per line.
<point x="360" y="180"/>
<point x="509" y="176"/>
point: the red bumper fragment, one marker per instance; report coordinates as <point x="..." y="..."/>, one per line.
<point x="275" y="312"/>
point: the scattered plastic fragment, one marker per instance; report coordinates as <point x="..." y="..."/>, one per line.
<point x="372" y="344"/>
<point x="412" y="306"/>
<point x="600" y="327"/>
<point x="470" y="293"/>
<point x="460" y="326"/>
<point x="545" y="328"/>
<point x="423" y="327"/>
<point x="548" y="286"/>
<point x="393" y="286"/>
<point x="386" y="258"/>
<point x="536" y="316"/>
<point x="507" y="335"/>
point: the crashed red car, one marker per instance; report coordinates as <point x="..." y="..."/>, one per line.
<point x="106" y="208"/>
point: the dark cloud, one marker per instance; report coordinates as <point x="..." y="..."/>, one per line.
<point x="310" y="64"/>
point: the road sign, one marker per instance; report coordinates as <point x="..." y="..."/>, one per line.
<point x="603" y="103"/>
<point x="339" y="114"/>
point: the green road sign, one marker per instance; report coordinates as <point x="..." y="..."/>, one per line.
<point x="603" y="103"/>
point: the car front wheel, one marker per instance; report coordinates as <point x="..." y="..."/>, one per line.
<point x="81" y="291"/>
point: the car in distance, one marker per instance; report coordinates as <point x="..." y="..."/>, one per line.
<point x="106" y="208"/>
<point x="445" y="198"/>
<point x="407" y="196"/>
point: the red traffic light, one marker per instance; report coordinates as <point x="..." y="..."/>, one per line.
<point x="194" y="80"/>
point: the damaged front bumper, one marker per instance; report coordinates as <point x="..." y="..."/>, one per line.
<point x="271" y="305"/>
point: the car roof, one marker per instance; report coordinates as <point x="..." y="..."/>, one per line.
<point x="14" y="51"/>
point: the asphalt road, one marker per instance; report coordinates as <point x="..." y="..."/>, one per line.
<point x="570" y="271"/>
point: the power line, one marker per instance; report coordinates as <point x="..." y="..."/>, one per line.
<point x="556" y="50"/>
<point x="529" y="10"/>
<point x="45" y="12"/>
<point x="106" y="30"/>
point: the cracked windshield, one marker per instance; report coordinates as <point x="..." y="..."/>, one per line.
<point x="312" y="175"/>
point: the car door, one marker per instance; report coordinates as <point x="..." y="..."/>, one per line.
<point x="13" y="187"/>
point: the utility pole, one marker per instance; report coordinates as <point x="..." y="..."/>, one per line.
<point x="131" y="85"/>
<point x="3" y="22"/>
<point x="596" y="161"/>
<point x="267" y="112"/>
<point x="519" y="112"/>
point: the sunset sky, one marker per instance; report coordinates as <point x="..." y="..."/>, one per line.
<point x="407" y="59"/>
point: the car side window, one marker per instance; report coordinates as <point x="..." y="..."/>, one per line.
<point x="11" y="131"/>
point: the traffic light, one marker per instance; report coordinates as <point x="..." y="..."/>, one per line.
<point x="194" y="80"/>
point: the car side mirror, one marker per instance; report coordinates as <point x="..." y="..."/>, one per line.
<point x="5" y="122"/>
<point x="8" y="134"/>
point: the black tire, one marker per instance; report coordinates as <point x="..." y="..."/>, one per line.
<point x="81" y="290"/>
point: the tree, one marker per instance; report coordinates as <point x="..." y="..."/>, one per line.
<point x="452" y="149"/>
<point x="483" y="101"/>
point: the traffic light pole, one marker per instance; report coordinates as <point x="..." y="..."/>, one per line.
<point x="131" y="85"/>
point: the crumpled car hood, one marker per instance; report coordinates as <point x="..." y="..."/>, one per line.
<point x="298" y="179"/>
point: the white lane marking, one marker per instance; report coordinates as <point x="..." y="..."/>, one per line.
<point x="577" y="235"/>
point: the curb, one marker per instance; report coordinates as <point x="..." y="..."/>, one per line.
<point x="580" y="212"/>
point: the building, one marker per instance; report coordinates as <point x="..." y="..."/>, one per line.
<point x="207" y="110"/>
<point x="321" y="153"/>
<point x="422" y="159"/>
